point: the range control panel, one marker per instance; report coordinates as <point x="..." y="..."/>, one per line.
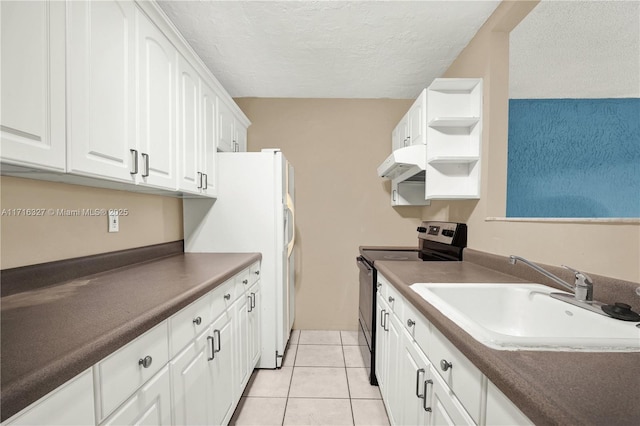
<point x="442" y="232"/>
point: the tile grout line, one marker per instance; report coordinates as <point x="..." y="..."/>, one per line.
<point x="344" y="359"/>
<point x="293" y="369"/>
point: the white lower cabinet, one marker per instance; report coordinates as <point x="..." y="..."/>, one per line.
<point x="192" y="383"/>
<point x="190" y="369"/>
<point x="150" y="405"/>
<point x="424" y="379"/>
<point x="76" y="396"/>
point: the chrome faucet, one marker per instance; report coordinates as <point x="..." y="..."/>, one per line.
<point x="582" y="289"/>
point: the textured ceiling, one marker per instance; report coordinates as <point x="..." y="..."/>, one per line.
<point x="328" y="49"/>
<point x="584" y="49"/>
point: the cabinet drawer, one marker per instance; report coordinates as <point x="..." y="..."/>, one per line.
<point x="396" y="301"/>
<point x="120" y="374"/>
<point x="462" y="377"/>
<point x="417" y="326"/>
<point x="187" y="324"/>
<point x="254" y="271"/>
<point x="243" y="281"/>
<point x="222" y="297"/>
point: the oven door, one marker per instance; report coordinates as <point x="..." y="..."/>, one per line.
<point x="366" y="299"/>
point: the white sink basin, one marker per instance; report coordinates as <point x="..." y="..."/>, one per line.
<point x="525" y="317"/>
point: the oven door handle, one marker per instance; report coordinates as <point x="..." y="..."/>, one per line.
<point x="364" y="263"/>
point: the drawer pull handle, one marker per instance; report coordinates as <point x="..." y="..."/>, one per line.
<point x="424" y="400"/>
<point x="379" y="285"/>
<point x="145" y="362"/>
<point x="227" y="296"/>
<point x="386" y="324"/>
<point x="213" y="348"/>
<point x="382" y="317"/>
<point x="253" y="301"/>
<point x="245" y="281"/>
<point x="391" y="299"/>
<point x="257" y="272"/>
<point x="219" y="341"/>
<point x="197" y="321"/>
<point x="445" y="365"/>
<point x="250" y="303"/>
<point x="418" y="373"/>
<point x="410" y="322"/>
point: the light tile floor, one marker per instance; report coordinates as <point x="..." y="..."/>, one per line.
<point x="322" y="382"/>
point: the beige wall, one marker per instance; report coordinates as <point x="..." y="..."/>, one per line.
<point x="335" y="146"/>
<point x="610" y="249"/>
<point x="27" y="240"/>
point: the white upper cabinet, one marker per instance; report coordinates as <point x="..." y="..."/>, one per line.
<point x="33" y="83"/>
<point x="101" y="88"/>
<point x="110" y="91"/>
<point x="233" y="133"/>
<point x="188" y="126"/>
<point x="411" y="130"/>
<point x="157" y="79"/>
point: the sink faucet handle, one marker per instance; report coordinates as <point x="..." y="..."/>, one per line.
<point x="583" y="284"/>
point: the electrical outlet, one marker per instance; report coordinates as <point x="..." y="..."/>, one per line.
<point x="114" y="222"/>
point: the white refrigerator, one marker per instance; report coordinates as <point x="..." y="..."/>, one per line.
<point x="254" y="212"/>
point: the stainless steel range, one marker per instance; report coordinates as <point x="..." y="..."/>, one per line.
<point x="437" y="241"/>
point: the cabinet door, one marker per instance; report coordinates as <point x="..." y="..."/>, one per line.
<point x="241" y="332"/>
<point x="76" y="396"/>
<point x="226" y="126"/>
<point x="418" y="121"/>
<point x="101" y="102"/>
<point x="394" y="360"/>
<point x="33" y="71"/>
<point x="191" y="384"/>
<point x="189" y="128"/>
<point x="221" y="370"/>
<point x="413" y="372"/>
<point x="150" y="405"/>
<point x="208" y="151"/>
<point x="381" y="344"/>
<point x="445" y="408"/>
<point x="255" y="344"/>
<point x="241" y="137"/>
<point x="157" y="68"/>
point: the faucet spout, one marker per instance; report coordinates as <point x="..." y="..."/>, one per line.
<point x="514" y="259"/>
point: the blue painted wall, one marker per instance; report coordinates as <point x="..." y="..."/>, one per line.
<point x="574" y="158"/>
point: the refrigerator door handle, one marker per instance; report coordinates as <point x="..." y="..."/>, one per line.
<point x="292" y="237"/>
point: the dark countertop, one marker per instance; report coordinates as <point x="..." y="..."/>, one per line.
<point x="51" y="334"/>
<point x="562" y="388"/>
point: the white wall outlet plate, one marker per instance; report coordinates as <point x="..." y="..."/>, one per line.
<point x="114" y="222"/>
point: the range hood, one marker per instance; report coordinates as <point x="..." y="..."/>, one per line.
<point x="404" y="163"/>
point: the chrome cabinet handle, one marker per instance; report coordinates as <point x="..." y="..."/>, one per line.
<point x="206" y="181"/>
<point x="227" y="296"/>
<point x="219" y="341"/>
<point x="424" y="400"/>
<point x="213" y="348"/>
<point x="199" y="180"/>
<point x="253" y="300"/>
<point x="410" y="322"/>
<point x="257" y="272"/>
<point x="391" y="299"/>
<point x="245" y="281"/>
<point x="445" y="365"/>
<point x="250" y="304"/>
<point x="418" y="373"/>
<point x="379" y="285"/>
<point x="382" y="317"/>
<point x="146" y="164"/>
<point x="145" y="362"/>
<point x="197" y="321"/>
<point x="134" y="161"/>
<point x="393" y="195"/>
<point x="386" y="316"/>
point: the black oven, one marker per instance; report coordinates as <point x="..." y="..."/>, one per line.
<point x="437" y="241"/>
